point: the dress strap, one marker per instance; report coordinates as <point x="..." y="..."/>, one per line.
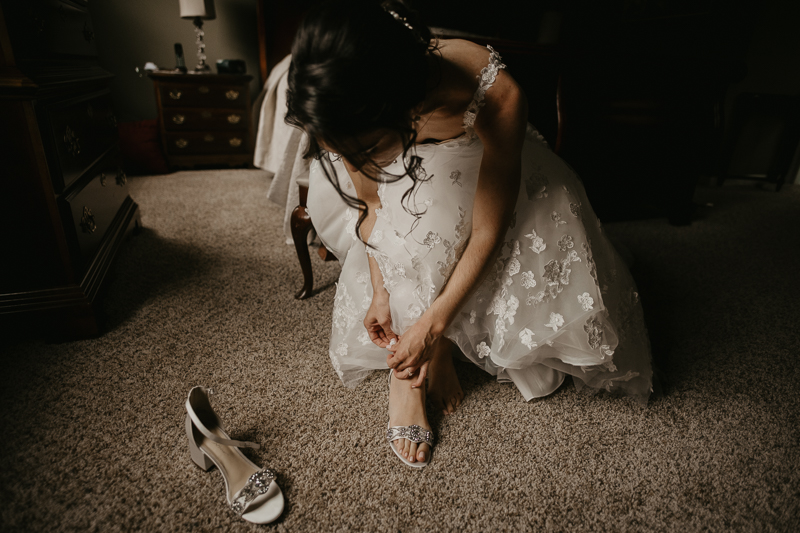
<point x="487" y="77"/>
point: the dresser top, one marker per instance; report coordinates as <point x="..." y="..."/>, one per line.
<point x="178" y="77"/>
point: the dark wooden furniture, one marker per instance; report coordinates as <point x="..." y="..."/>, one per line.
<point x="64" y="203"/>
<point x="204" y="119"/>
<point x="769" y="125"/>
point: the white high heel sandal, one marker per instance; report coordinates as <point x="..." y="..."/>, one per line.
<point x="252" y="492"/>
<point x="414" y="433"/>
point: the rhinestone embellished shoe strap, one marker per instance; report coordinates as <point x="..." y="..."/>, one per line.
<point x="256" y="485"/>
<point x="413" y="433"/>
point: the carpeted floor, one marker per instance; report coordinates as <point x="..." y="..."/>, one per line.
<point x="93" y="434"/>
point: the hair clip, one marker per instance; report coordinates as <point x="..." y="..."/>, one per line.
<point x="400" y="19"/>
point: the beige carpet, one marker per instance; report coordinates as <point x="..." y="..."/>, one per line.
<point x="93" y="430"/>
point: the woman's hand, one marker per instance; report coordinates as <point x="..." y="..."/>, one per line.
<point x="412" y="354"/>
<point x="378" y="320"/>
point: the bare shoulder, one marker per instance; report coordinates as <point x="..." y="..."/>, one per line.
<point x="463" y="62"/>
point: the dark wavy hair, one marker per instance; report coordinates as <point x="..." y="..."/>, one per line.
<point x="356" y="68"/>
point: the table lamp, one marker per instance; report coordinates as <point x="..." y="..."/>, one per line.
<point x="199" y="10"/>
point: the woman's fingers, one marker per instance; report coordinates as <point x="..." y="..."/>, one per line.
<point x="423" y="372"/>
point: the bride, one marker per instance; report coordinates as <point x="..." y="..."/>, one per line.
<point x="460" y="233"/>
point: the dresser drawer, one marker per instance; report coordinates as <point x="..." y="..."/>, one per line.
<point x="81" y="130"/>
<point x="202" y="95"/>
<point x="187" y="119"/>
<point x="207" y="143"/>
<point x="49" y="29"/>
<point x="92" y="205"/>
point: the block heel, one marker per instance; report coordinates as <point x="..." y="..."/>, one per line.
<point x="198" y="457"/>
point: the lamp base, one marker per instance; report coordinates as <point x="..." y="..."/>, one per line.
<point x="202" y="67"/>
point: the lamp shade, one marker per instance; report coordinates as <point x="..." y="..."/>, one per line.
<point x="197" y="8"/>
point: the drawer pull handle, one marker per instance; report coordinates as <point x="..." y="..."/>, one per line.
<point x="232" y="95"/>
<point x="208" y="138"/>
<point x="175" y="95"/>
<point x="103" y="179"/>
<point x="72" y="142"/>
<point x="122" y="178"/>
<point x="234" y="119"/>
<point x="203" y="89"/>
<point x="235" y="142"/>
<point x="178" y="119"/>
<point x="181" y="143"/>
<point x="88" y="224"/>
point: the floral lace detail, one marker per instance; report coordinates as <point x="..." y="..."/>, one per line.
<point x="350" y="227"/>
<point x="376" y="237"/>
<point x="575" y="209"/>
<point x="556" y="276"/>
<point x="345" y="313"/>
<point x="590" y="264"/>
<point x="594" y="332"/>
<point x="537" y="243"/>
<point x="362" y="277"/>
<point x="455" y="176"/>
<point x="528" y="280"/>
<point x="454" y="250"/>
<point x="556" y="217"/>
<point x="526" y="336"/>
<point x="472" y="316"/>
<point x="556" y="321"/>
<point x="505" y="309"/>
<point x="366" y="301"/>
<point x="536" y="183"/>
<point x="483" y="350"/>
<point x="425" y="287"/>
<point x="386" y="268"/>
<point x="414" y="311"/>
<point x="487" y="78"/>
<point x="565" y="243"/>
<point x="431" y="239"/>
<point x="363" y="338"/>
<point x="586" y="301"/>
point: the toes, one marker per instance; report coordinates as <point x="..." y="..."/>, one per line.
<point x="422" y="454"/>
<point x="412" y="453"/>
<point x="404" y="450"/>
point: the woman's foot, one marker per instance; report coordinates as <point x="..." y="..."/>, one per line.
<point x="406" y="408"/>
<point x="443" y="386"/>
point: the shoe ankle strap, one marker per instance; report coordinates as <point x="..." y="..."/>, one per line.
<point x="207" y="432"/>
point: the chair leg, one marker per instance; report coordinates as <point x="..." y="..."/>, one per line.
<point x="301" y="225"/>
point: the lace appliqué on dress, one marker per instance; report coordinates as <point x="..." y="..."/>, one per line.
<point x="454" y="250"/>
<point x="488" y="76"/>
<point x="345" y="313"/>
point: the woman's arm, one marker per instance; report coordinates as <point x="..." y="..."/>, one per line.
<point x="501" y="126"/>
<point x="378" y="319"/>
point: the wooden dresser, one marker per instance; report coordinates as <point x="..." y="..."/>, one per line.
<point x="204" y="119"/>
<point x="64" y="203"/>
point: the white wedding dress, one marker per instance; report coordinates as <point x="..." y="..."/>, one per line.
<point x="560" y="300"/>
